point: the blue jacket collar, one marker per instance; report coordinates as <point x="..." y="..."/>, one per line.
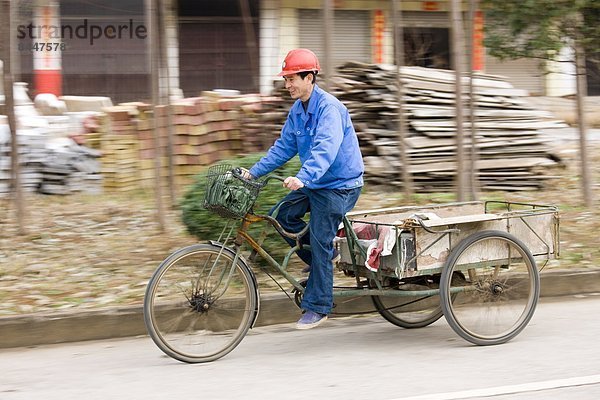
<point x="312" y="102"/>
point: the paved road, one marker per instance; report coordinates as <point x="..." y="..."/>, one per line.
<point x="557" y="357"/>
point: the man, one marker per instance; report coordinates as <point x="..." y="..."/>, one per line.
<point x="318" y="128"/>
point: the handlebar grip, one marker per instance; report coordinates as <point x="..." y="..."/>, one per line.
<point x="237" y="172"/>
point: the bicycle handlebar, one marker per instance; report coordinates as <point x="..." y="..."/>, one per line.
<point x="238" y="173"/>
<point x="276" y="177"/>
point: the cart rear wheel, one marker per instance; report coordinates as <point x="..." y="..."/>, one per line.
<point x="410" y="311"/>
<point x="500" y="292"/>
<point x="198" y="305"/>
<point x="413" y="311"/>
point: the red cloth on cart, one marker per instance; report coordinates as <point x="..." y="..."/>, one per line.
<point x="361" y="230"/>
<point x="369" y="232"/>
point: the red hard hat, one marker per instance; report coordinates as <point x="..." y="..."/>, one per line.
<point x="299" y="60"/>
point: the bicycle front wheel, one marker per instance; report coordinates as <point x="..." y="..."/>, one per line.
<point x="499" y="292"/>
<point x="199" y="305"/>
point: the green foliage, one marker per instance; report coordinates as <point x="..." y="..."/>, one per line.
<point x="208" y="226"/>
<point x="540" y="28"/>
<point x="591" y="31"/>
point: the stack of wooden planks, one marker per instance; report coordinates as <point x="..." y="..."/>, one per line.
<point x="513" y="153"/>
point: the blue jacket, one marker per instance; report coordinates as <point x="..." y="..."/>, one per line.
<point x="325" y="140"/>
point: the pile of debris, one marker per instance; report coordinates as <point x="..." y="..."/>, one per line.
<point x="55" y="166"/>
<point x="31" y="156"/>
<point x="68" y="168"/>
<point x="51" y="160"/>
<point x="509" y="140"/>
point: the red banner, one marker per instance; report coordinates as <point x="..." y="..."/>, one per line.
<point x="430" y="6"/>
<point x="478" y="49"/>
<point x="378" y="28"/>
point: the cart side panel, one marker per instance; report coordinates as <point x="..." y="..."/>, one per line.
<point x="432" y="249"/>
<point x="537" y="232"/>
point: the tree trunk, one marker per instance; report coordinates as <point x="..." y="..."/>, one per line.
<point x="581" y="94"/>
<point x="5" y="39"/>
<point x="164" y="62"/>
<point x="399" y="50"/>
<point x="327" y="30"/>
<point x="457" y="46"/>
<point x="154" y="63"/>
<point x="473" y="182"/>
<point x="250" y="36"/>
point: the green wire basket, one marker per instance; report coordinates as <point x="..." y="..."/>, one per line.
<point x="228" y="194"/>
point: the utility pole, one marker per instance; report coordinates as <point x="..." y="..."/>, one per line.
<point x="399" y="50"/>
<point x="327" y="28"/>
<point x="457" y="45"/>
<point x="5" y="43"/>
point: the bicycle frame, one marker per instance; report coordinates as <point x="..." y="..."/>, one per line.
<point x="243" y="235"/>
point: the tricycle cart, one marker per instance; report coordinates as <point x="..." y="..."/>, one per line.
<point x="473" y="262"/>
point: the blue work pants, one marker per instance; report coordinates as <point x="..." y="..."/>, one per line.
<point x="327" y="208"/>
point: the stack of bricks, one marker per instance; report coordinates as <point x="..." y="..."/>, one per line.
<point x="207" y="129"/>
<point x="120" y="149"/>
<point x="146" y="145"/>
<point x="253" y="132"/>
<point x="91" y="135"/>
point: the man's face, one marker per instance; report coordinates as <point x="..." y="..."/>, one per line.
<point x="299" y="88"/>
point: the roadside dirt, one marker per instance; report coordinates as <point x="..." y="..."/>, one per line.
<point x="84" y="252"/>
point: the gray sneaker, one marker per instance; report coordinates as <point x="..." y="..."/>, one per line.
<point x="310" y="320"/>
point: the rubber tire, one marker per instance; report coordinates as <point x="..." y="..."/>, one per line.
<point x="385" y="311"/>
<point x="447" y="299"/>
<point x="249" y="314"/>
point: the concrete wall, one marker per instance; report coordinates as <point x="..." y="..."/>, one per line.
<point x="561" y="80"/>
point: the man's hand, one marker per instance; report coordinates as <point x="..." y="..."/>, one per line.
<point x="246" y="174"/>
<point x="293" y="183"/>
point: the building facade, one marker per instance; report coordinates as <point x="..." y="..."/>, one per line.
<point x="233" y="44"/>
